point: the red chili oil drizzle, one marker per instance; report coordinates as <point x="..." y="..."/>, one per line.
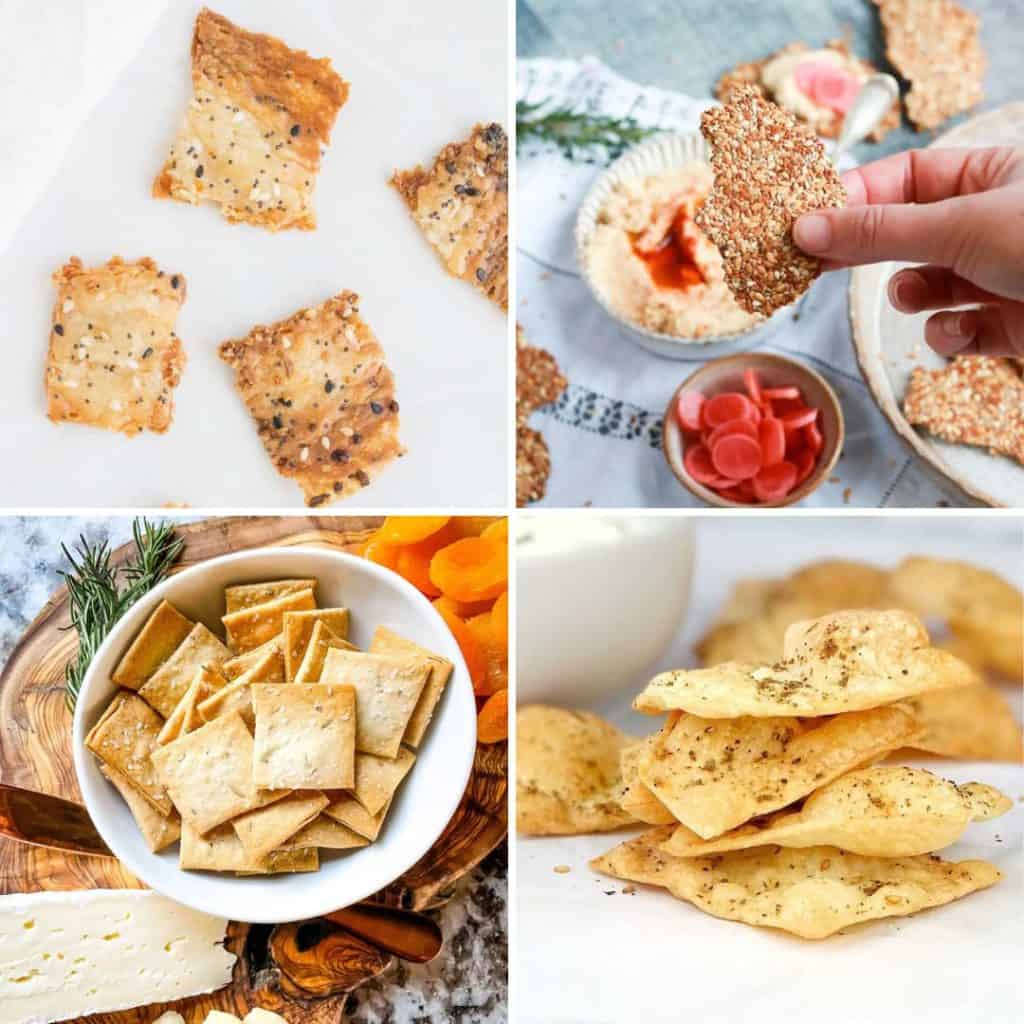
<point x="673" y="264"/>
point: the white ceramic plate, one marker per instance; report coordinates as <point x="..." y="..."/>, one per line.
<point x="424" y="804"/>
<point x="657" y="155"/>
<point x="889" y="345"/>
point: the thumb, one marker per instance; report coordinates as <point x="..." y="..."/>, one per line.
<point x="928" y="233"/>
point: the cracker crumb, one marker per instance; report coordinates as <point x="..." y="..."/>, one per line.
<point x="562" y="869"/>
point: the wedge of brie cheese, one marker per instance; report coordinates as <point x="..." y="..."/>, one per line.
<point x="71" y="954"/>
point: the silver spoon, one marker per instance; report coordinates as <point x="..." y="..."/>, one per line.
<point x="873" y="102"/>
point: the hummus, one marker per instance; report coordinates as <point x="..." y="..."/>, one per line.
<point x="779" y="80"/>
<point x="651" y="264"/>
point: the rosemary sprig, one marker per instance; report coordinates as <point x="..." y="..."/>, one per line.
<point x="99" y="593"/>
<point x="575" y="132"/>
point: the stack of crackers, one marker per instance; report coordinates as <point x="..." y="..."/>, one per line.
<point x="763" y="785"/>
<point x="265" y="747"/>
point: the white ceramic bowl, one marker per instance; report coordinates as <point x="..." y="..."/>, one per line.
<point x="658" y="155"/>
<point x="424" y="804"/>
<point x="599" y="605"/>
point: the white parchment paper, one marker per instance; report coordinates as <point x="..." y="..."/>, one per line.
<point x="90" y="98"/>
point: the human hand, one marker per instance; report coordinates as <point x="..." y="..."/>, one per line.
<point x="959" y="212"/>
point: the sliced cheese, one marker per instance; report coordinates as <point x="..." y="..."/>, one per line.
<point x="71" y="954"/>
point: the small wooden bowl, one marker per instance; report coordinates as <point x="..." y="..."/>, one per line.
<point x="726" y="374"/>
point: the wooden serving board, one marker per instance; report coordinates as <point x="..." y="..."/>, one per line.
<point x="302" y="971"/>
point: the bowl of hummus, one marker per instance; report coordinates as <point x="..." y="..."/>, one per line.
<point x="646" y="261"/>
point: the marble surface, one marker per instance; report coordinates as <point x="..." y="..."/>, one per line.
<point x="467" y="983"/>
<point x="687" y="44"/>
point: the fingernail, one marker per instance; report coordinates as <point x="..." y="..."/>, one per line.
<point x="907" y="291"/>
<point x="813" y="233"/>
<point x="956" y="326"/>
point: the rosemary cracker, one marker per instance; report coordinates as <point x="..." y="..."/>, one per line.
<point x="461" y="206"/>
<point x="209" y="773"/>
<point x="114" y="359"/>
<point x="935" y="45"/>
<point x="876" y="812"/>
<point x="298" y="631"/>
<point x="568" y="773"/>
<point x="305" y="736"/>
<point x="245" y="595"/>
<point x="387" y="690"/>
<point x="322" y="397"/>
<point x="812" y="893"/>
<point x="715" y="774"/>
<point x="252" y="134"/>
<point x="160" y="637"/>
<point x="124" y="739"/>
<point x="769" y="169"/>
<point x="252" y="627"/>
<point x="846" y="661"/>
<point x="385" y="641"/>
<point x="165" y="687"/>
<point x="159" y="830"/>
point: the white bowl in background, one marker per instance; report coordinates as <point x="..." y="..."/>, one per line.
<point x="598" y="600"/>
<point x="421" y="809"/>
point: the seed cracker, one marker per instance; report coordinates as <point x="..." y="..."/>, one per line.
<point x="533" y="466"/>
<point x="538" y="378"/>
<point x="114" y="359"/>
<point x="828" y="122"/>
<point x="539" y="382"/>
<point x="973" y="400"/>
<point x="252" y="134"/>
<point x="322" y="397"/>
<point x="769" y="169"/>
<point x="935" y="45"/>
<point x="461" y="206"/>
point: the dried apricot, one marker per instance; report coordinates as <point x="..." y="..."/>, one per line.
<point x="499" y="621"/>
<point x="472" y="569"/>
<point x="498" y="530"/>
<point x="413" y="560"/>
<point x="410" y="529"/>
<point x="476" y="658"/>
<point x="492" y="722"/>
<point x="473" y="526"/>
<point x="379" y="551"/>
<point x="495" y="656"/>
